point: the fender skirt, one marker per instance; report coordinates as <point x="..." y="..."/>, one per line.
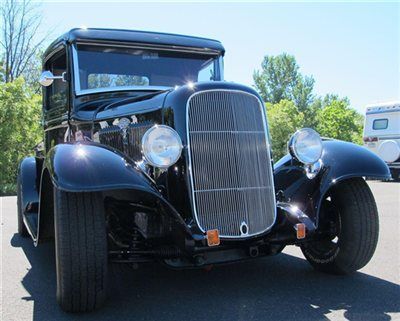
<point x="89" y="167"/>
<point x="341" y="161"/>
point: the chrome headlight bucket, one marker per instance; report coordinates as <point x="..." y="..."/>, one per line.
<point x="161" y="146"/>
<point x="312" y="170"/>
<point x="306" y="146"/>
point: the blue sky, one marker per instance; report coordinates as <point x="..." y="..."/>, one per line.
<point x="351" y="49"/>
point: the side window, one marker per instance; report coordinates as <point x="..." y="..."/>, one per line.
<point x="380" y="124"/>
<point x="56" y="93"/>
<point x="207" y="72"/>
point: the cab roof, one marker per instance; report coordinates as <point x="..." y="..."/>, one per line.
<point x="137" y="37"/>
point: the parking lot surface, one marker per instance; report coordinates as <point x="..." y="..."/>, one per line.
<point x="283" y="287"/>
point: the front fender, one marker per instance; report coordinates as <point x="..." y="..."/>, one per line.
<point x="88" y="168"/>
<point x="344" y="160"/>
<point x="341" y="161"/>
<point x="27" y="178"/>
<point x="91" y="167"/>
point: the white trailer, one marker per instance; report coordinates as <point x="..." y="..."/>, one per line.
<point x="382" y="133"/>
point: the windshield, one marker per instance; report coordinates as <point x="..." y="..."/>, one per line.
<point x="106" y="68"/>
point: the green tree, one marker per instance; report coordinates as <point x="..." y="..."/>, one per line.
<point x="291" y="105"/>
<point x="331" y="116"/>
<point x="20" y="128"/>
<point x="310" y="114"/>
<point x="20" y="44"/>
<point x="284" y="118"/>
<point x="336" y="119"/>
<point x="99" y="81"/>
<point x="279" y="78"/>
<point x="130" y="80"/>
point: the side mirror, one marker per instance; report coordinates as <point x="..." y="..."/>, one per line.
<point x="47" y="78"/>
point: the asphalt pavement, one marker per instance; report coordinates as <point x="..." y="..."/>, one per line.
<point x="283" y="287"/>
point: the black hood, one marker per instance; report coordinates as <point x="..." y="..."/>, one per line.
<point x="112" y="105"/>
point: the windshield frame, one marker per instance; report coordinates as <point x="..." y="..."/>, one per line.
<point x="218" y="66"/>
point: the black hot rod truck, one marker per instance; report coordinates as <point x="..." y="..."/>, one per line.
<point x="148" y="154"/>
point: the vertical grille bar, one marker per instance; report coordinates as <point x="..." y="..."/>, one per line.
<point x="231" y="173"/>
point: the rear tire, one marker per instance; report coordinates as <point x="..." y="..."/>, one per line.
<point x="81" y="250"/>
<point x="353" y="244"/>
<point x="22" y="230"/>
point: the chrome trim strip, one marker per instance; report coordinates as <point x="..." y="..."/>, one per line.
<point x="232" y="189"/>
<point x="190" y="171"/>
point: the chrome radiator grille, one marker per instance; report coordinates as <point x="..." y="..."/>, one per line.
<point x="231" y="171"/>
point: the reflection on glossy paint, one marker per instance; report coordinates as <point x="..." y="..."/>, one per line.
<point x="80" y="152"/>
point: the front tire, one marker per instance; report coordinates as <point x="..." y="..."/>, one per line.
<point x="350" y="212"/>
<point x="81" y="250"/>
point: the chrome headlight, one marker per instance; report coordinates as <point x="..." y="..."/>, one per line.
<point x="306" y="146"/>
<point x="161" y="146"/>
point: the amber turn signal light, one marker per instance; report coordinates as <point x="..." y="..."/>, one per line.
<point x="213" y="238"/>
<point x="300" y="231"/>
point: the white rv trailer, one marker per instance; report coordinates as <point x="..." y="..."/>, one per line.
<point x="382" y="133"/>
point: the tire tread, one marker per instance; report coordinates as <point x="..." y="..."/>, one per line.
<point x="80" y="233"/>
<point x="360" y="229"/>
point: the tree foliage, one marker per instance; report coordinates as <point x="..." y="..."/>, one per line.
<point x="20" y="47"/>
<point x="284" y="118"/>
<point x="20" y="128"/>
<point x="279" y="78"/>
<point x="106" y="80"/>
<point x="291" y="105"/>
<point x="331" y="116"/>
<point x="337" y="120"/>
<point x="20" y="112"/>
